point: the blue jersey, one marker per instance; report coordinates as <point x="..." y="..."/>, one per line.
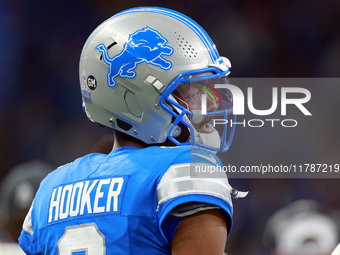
<point x="126" y="202"/>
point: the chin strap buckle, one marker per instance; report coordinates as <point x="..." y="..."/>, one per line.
<point x="238" y="194"/>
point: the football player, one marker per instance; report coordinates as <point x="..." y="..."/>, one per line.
<point x="303" y="227"/>
<point x="150" y="74"/>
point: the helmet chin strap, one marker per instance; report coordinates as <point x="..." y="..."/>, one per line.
<point x="211" y="139"/>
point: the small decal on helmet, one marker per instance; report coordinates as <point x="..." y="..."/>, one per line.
<point x="143" y="46"/>
<point x="83" y="80"/>
<point x="91" y="82"/>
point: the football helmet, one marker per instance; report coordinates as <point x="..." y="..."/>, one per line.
<point x="132" y="69"/>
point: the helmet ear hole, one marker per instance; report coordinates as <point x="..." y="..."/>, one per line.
<point x="123" y="125"/>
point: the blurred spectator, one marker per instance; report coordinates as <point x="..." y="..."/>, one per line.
<point x="17" y="192"/>
<point x="302" y="228"/>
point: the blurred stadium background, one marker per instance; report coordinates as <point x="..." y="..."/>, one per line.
<point x="41" y="117"/>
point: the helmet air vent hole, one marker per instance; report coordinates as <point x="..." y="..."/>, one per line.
<point x="108" y="47"/>
<point x="185" y="48"/>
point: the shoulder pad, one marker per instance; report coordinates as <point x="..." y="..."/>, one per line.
<point x="27" y="225"/>
<point x="193" y="178"/>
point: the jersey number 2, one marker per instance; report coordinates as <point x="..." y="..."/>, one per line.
<point x="82" y="238"/>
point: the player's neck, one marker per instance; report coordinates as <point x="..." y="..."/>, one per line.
<point x="122" y="140"/>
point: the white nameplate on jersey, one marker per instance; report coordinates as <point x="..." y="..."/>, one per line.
<point x="87" y="197"/>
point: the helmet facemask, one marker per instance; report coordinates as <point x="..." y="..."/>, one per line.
<point x="201" y="108"/>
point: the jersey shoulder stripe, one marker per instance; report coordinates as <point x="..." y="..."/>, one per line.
<point x="184" y="179"/>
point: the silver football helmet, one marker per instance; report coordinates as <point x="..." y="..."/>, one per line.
<point x="132" y="68"/>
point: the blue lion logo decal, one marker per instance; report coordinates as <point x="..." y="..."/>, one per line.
<point x="144" y="46"/>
